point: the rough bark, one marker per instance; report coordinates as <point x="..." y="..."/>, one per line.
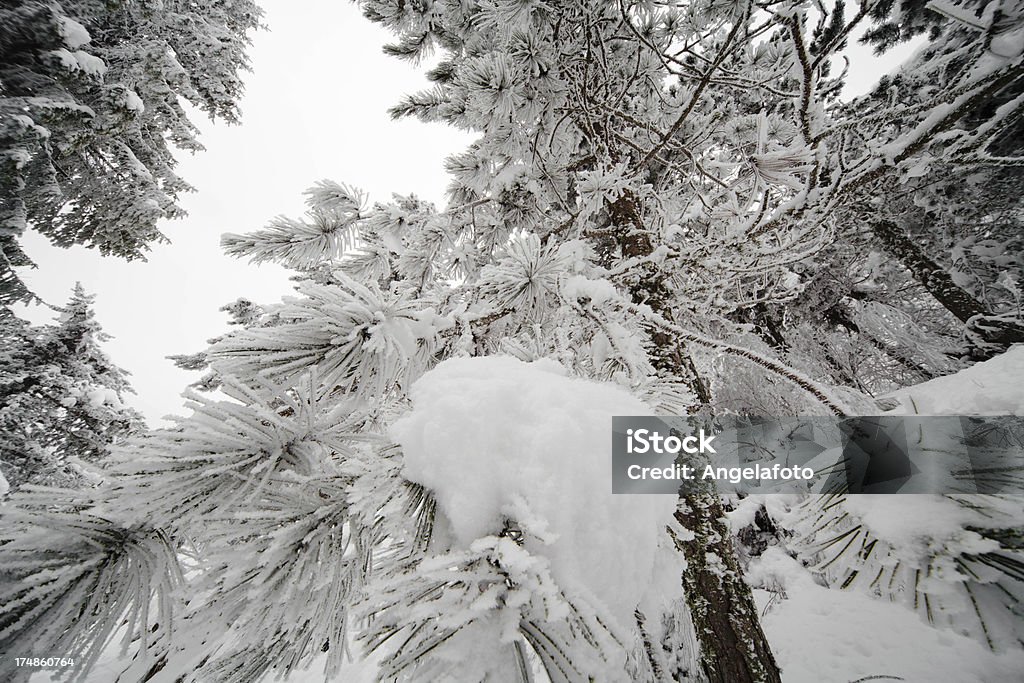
<point x="733" y="646"/>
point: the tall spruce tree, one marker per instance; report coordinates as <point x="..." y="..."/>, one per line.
<point x="91" y="105"/>
<point x="61" y="407"/>
<point x="646" y="181"/>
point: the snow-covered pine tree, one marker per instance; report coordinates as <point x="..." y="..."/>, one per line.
<point x="645" y="176"/>
<point x="61" y="407"/>
<point x="956" y="212"/>
<point x="90" y="111"/>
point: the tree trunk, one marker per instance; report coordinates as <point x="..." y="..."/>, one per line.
<point x="932" y="276"/>
<point x="733" y="646"/>
<point x="987" y="334"/>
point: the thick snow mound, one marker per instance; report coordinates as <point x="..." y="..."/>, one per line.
<point x="496" y="438"/>
<point x="74" y="34"/>
<point x="995" y="387"/>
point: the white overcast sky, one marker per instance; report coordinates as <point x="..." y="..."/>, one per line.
<point x="315" y="107"/>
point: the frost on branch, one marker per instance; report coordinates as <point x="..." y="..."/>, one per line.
<point x="353" y="333"/>
<point x="329" y="228"/>
<point x="72" y="580"/>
